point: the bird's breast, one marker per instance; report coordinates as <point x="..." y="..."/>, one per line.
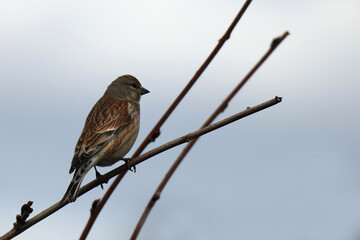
<point x="117" y="148"/>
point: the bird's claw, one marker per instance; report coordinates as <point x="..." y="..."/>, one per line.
<point x="99" y="177"/>
<point x="127" y="160"/>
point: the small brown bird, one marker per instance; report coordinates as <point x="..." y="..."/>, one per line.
<point x="110" y="130"/>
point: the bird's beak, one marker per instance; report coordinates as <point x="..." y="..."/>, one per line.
<point x="143" y="91"/>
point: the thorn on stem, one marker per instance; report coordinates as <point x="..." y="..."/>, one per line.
<point x="156" y="196"/>
<point x="278" y="99"/>
<point x="155" y="135"/>
<point x="224" y="107"/>
<point x="275" y="42"/>
<point x="94" y="206"/>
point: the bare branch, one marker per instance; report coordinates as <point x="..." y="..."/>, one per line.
<point x="186" y="138"/>
<point x="188" y="147"/>
<point x="155" y="132"/>
<point x="189" y="137"/>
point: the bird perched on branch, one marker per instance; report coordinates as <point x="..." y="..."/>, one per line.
<point x="110" y="130"/>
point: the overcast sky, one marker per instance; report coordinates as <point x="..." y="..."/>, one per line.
<point x="288" y="172"/>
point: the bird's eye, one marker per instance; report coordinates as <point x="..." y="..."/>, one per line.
<point x="133" y="85"/>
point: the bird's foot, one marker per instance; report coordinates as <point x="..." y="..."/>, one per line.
<point x="127" y="160"/>
<point x="99" y="177"/>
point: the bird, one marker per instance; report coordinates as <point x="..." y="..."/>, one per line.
<point x="109" y="132"/>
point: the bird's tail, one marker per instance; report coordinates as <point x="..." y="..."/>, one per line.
<point x="73" y="189"/>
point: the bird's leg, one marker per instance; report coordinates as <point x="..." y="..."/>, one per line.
<point x="127" y="160"/>
<point x="98" y="177"/>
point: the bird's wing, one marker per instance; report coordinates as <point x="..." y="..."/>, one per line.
<point x="108" y="116"/>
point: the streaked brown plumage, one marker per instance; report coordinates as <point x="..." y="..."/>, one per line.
<point x="110" y="130"/>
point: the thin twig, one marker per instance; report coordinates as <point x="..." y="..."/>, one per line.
<point x="186" y="138"/>
<point x="151" y="137"/>
<point x="187" y="148"/>
<point x="190" y="136"/>
<point x="155" y="132"/>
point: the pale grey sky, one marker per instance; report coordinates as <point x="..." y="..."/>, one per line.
<point x="289" y="172"/>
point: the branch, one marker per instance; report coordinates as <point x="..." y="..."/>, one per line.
<point x="188" y="147"/>
<point x="155" y="132"/>
<point x="151" y="136"/>
<point x="186" y="138"/>
<point x="190" y="136"/>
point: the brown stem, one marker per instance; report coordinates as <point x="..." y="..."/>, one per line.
<point x="14" y="232"/>
<point x="188" y="147"/>
<point x="155" y="132"/>
<point x="191" y="136"/>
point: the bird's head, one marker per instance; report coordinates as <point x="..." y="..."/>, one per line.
<point x="126" y="87"/>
